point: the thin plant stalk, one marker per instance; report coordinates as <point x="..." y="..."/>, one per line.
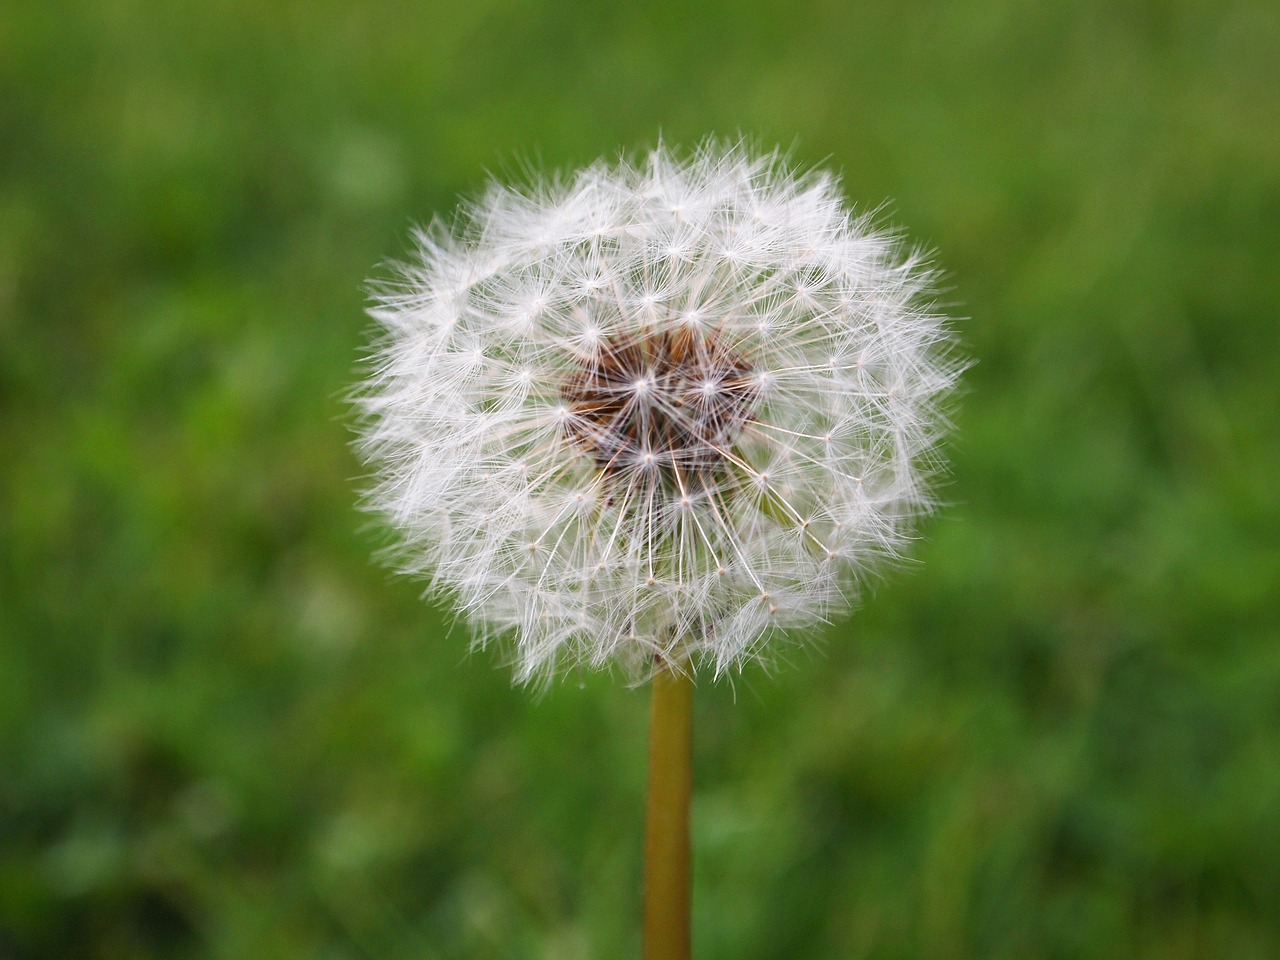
<point x="666" y="852"/>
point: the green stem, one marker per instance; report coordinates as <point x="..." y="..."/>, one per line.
<point x="666" y="852"/>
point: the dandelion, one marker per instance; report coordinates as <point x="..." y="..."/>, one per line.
<point x="652" y="415"/>
<point x="655" y="413"/>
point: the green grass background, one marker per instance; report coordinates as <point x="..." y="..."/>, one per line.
<point x="225" y="733"/>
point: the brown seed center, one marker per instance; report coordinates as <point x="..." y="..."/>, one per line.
<point x="667" y="405"/>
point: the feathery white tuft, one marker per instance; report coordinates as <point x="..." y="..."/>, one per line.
<point x="654" y="413"/>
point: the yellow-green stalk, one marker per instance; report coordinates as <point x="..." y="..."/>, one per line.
<point x="666" y="853"/>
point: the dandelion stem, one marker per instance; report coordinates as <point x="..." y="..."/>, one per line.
<point x="666" y="854"/>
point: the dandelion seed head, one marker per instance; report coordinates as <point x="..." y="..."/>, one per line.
<point x="658" y="411"/>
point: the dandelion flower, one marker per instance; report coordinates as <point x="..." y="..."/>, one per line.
<point x="655" y="412"/>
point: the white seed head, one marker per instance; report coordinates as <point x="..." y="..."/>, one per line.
<point x="656" y="412"/>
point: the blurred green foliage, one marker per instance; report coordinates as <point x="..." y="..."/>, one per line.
<point x="225" y="733"/>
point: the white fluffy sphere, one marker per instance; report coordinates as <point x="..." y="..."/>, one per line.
<point x="656" y="412"/>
